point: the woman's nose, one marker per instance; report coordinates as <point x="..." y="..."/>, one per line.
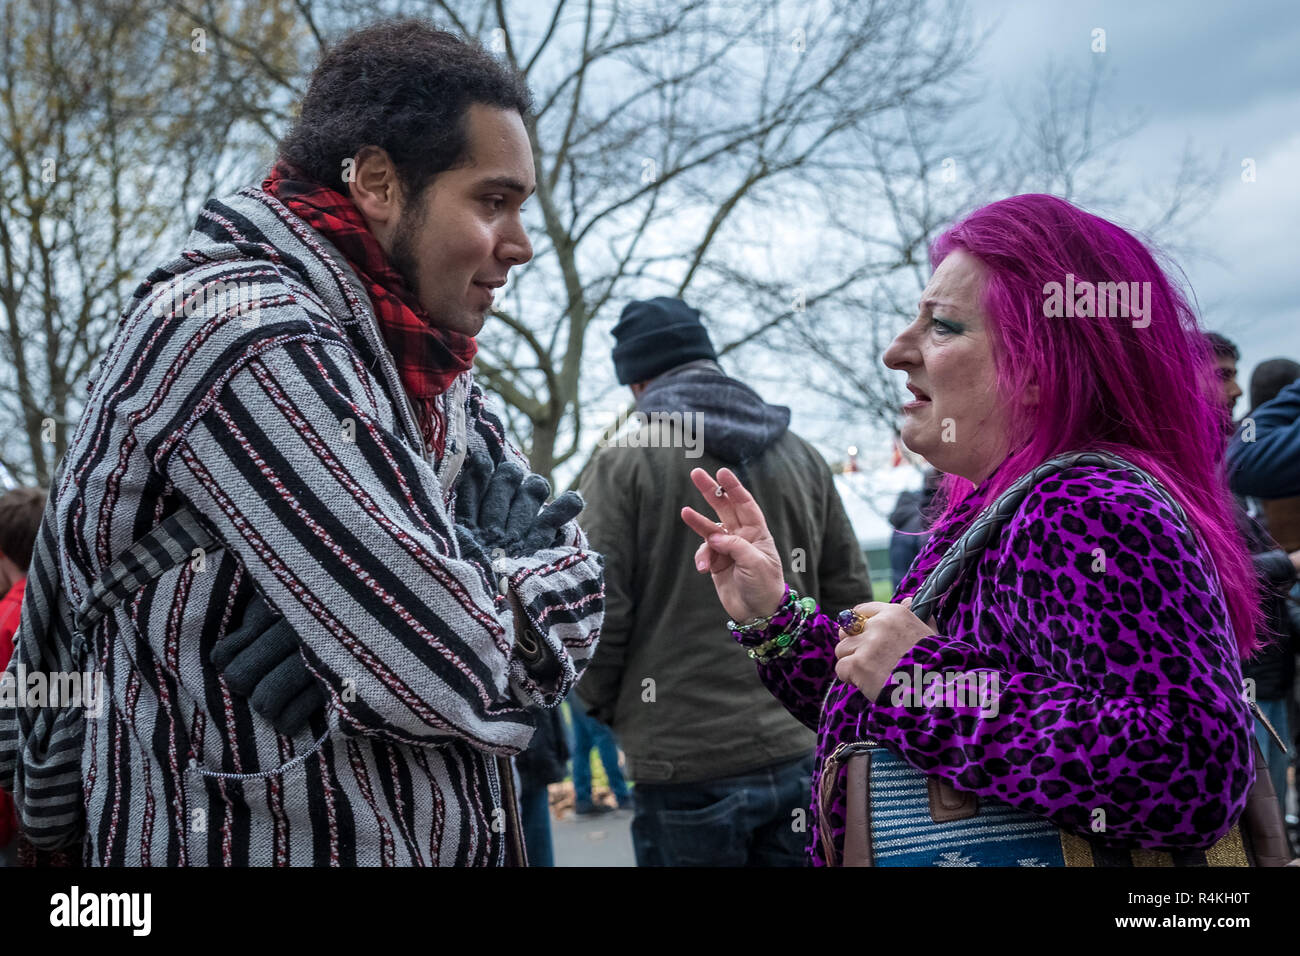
<point x="902" y="353"/>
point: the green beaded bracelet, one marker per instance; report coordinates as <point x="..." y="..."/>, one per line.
<point x="781" y="644"/>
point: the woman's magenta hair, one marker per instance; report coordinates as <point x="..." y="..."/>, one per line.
<point x="1145" y="392"/>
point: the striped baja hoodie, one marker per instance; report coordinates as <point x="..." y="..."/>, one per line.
<point x="249" y="380"/>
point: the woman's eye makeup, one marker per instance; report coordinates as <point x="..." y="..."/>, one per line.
<point x="947" y="326"/>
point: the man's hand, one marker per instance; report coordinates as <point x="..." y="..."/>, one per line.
<point x="502" y="507"/>
<point x="867" y="659"/>
<point x="260" y="661"/>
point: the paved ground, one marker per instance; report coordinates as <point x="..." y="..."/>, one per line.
<point x="603" y="840"/>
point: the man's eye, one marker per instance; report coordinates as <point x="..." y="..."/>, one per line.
<point x="494" y="202"/>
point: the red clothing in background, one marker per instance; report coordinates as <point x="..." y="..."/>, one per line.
<point x="11" y="609"/>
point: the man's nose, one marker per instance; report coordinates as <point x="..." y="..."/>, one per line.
<point x="515" y="247"/>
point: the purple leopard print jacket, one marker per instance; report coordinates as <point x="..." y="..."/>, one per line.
<point x="1118" y="678"/>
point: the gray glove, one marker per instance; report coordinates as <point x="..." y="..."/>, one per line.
<point x="260" y="661"/>
<point x="501" y="507"/>
<point x="548" y="527"/>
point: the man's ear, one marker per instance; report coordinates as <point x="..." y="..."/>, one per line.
<point x="377" y="192"/>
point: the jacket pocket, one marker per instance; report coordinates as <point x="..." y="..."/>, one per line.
<point x="166" y="635"/>
<point x="248" y="818"/>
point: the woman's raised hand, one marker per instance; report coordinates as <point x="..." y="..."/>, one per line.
<point x="738" y="550"/>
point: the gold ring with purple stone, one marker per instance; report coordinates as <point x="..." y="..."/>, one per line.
<point x="851" y="622"/>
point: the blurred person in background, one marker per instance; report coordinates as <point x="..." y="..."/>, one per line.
<point x="910" y="520"/>
<point x="1226" y="356"/>
<point x="545" y="762"/>
<point x="1264" y="455"/>
<point x="588" y="735"/>
<point x="721" y="770"/>
<point x="1281" y="516"/>
<point x="1270" y="672"/>
<point x="20" y="519"/>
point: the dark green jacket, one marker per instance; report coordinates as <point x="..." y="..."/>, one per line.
<point x="684" y="699"/>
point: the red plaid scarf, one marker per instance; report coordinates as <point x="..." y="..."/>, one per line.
<point x="428" y="358"/>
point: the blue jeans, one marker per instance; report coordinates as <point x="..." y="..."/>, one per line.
<point x="747" y="820"/>
<point x="588" y="733"/>
<point x="535" y="818"/>
<point x="1275" y="712"/>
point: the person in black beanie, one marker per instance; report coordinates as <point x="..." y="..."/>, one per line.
<point x="657" y="335"/>
<point x="722" y="771"/>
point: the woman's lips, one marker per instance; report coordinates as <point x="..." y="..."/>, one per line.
<point x="919" y="401"/>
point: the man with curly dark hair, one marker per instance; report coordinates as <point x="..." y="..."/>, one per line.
<point x="392" y="109"/>
<point x="383" y="604"/>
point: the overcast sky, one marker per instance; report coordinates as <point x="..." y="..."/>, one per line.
<point x="1222" y="78"/>
<point x="1225" y="76"/>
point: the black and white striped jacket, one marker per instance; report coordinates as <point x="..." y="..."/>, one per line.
<point x="275" y="412"/>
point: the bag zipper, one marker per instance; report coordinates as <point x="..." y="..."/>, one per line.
<point x="830" y="770"/>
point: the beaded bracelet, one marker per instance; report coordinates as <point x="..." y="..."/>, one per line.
<point x="784" y="642"/>
<point x="794" y="613"/>
<point x="760" y="623"/>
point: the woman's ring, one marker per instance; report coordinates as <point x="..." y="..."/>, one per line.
<point x="851" y="622"/>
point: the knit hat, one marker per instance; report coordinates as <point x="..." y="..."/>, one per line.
<point x="655" y="335"/>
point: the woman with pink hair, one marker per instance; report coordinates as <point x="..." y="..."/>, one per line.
<point x="1105" y="617"/>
